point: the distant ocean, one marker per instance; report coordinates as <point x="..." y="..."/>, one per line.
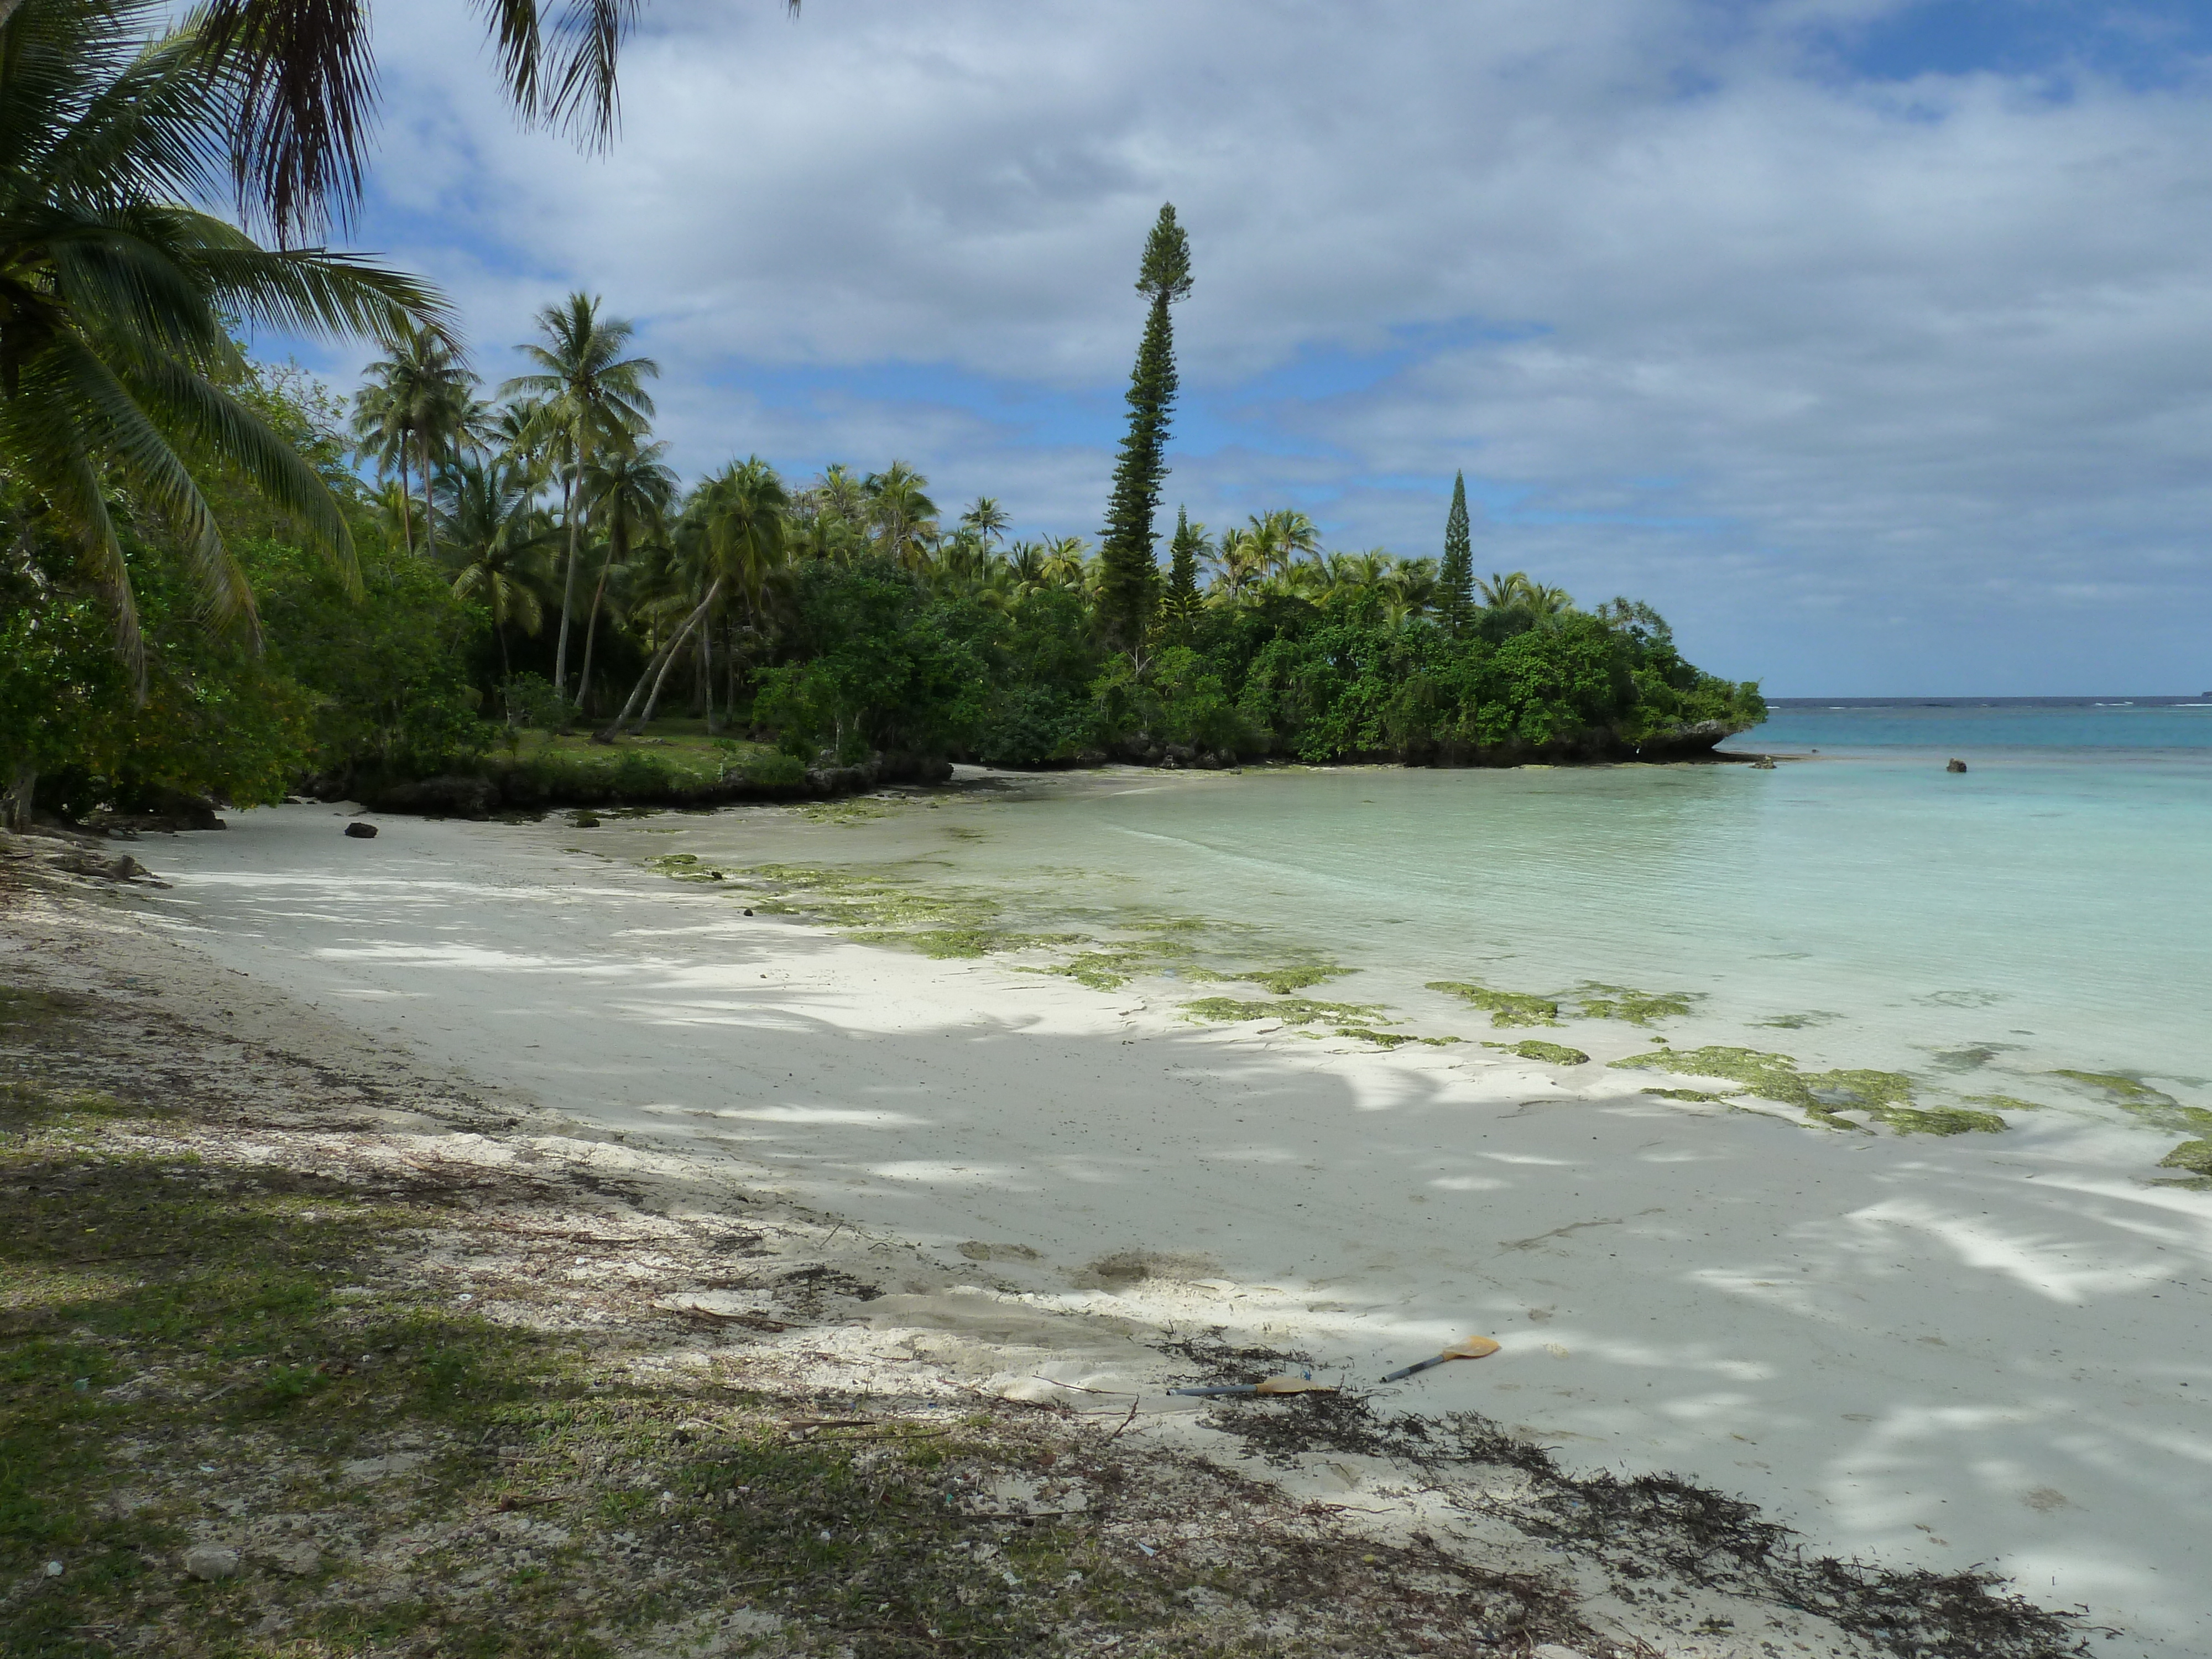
<point x="2056" y="723"/>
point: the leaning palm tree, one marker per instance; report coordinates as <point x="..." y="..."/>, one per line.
<point x="589" y="396"/>
<point x="501" y="546"/>
<point x="628" y="491"/>
<point x="730" y="539"/>
<point x="116" y="294"/>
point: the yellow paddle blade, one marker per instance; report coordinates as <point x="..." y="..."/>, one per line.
<point x="1291" y="1385"/>
<point x="1475" y="1347"/>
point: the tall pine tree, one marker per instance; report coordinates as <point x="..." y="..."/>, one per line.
<point x="1456" y="576"/>
<point x="1129" y="581"/>
<point x="1182" y="607"/>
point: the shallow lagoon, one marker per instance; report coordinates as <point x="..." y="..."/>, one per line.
<point x="2046" y="911"/>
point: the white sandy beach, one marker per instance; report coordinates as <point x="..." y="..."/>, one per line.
<point x="1932" y="1352"/>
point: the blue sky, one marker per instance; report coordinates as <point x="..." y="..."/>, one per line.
<point x="1871" y="341"/>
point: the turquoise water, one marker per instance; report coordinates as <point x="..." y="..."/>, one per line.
<point x="2050" y="910"/>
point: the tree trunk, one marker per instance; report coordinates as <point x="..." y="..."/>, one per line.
<point x="406" y="501"/>
<point x="591" y="636"/>
<point x="15" y="804"/>
<point x="429" y="503"/>
<point x="568" y="588"/>
<point x="662" y="660"/>
<point x="706" y="673"/>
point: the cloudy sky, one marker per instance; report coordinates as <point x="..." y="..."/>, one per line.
<point x="1870" y="340"/>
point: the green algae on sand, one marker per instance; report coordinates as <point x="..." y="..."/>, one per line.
<point x="1625" y="1002"/>
<point x="2194" y="1156"/>
<point x="1291" y="1011"/>
<point x="1884" y="1097"/>
<point x="2139" y="1100"/>
<point x="1389" y="1039"/>
<point x="1505" y="1008"/>
<point x="1553" y="1054"/>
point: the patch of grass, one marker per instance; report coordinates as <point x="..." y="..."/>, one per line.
<point x="1597" y="1001"/>
<point x="1554" y="1053"/>
<point x="1505" y="1008"/>
<point x="562" y="767"/>
<point x="1291" y="1011"/>
<point x="156" y="1311"/>
<point x="1884" y="1097"/>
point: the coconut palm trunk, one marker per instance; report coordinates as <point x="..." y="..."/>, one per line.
<point x="406" y="502"/>
<point x="429" y="505"/>
<point x="662" y="661"/>
<point x="591" y="637"/>
<point x="15" y="804"/>
<point x="567" y="588"/>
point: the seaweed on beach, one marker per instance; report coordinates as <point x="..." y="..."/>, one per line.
<point x="1552" y="1053"/>
<point x="1505" y="1008"/>
<point x="1623" y="1002"/>
<point x="1291" y="1011"/>
<point x="1823" y="1097"/>
<point x="1629" y="1524"/>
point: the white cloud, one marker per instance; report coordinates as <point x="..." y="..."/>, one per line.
<point x="1898" y="384"/>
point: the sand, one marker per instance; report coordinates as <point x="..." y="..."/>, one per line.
<point x="1928" y="1353"/>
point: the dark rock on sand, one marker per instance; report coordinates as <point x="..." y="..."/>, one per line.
<point x="361" y="831"/>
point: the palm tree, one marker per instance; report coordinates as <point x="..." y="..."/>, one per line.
<point x="732" y="537"/>
<point x="1063" y="565"/>
<point x="1238" y="562"/>
<point x="985" y="520"/>
<point x="628" y="492"/>
<point x="1502" y="590"/>
<point x="1282" y="536"/>
<point x="309" y="92"/>
<point x="116" y="298"/>
<point x="588" y="395"/>
<point x="905" y="518"/>
<point x="502" y="544"/>
<point x="1409" y="588"/>
<point x="419" y="406"/>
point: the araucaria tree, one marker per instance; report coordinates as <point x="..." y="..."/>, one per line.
<point x="1181" y="609"/>
<point x="1129" y="575"/>
<point x="1455" y="577"/>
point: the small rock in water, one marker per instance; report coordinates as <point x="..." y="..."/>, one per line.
<point x="361" y="831"/>
<point x="588" y="820"/>
<point x="210" y="1561"/>
<point x="1955" y="766"/>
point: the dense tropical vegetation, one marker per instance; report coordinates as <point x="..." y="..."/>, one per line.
<point x="219" y="580"/>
